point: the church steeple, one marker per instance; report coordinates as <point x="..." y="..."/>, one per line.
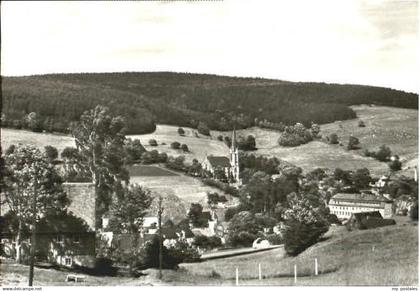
<point x="234" y="158"/>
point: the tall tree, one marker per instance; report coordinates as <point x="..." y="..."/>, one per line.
<point x="100" y="138"/>
<point x="27" y="171"/>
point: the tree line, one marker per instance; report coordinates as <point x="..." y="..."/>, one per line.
<point x="198" y="101"/>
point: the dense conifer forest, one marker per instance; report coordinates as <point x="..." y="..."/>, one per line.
<point x="145" y="99"/>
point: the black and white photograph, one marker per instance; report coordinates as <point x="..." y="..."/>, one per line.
<point x="218" y="143"/>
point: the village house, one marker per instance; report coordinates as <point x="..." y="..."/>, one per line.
<point x="367" y="220"/>
<point x="343" y="205"/>
<point x="70" y="239"/>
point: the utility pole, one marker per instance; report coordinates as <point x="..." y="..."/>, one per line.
<point x="33" y="238"/>
<point x="160" y="211"/>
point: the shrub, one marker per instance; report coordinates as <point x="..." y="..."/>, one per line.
<point x="203" y="128"/>
<point x="181" y="131"/>
<point x="162" y="158"/>
<point x="208" y="243"/>
<point x="230" y="212"/>
<point x="176" y="145"/>
<point x="361" y="123"/>
<point x="222" y="186"/>
<point x="51" y="152"/>
<point x="243" y="239"/>
<point x="395" y="163"/>
<point x="104" y="267"/>
<point x="383" y="154"/>
<point x="185" y="148"/>
<point x="353" y="143"/>
<point x="275" y="239"/>
<point x="220" y="138"/>
<point x="153" y="142"/>
<point x="332" y="138"/>
<point x="414" y="211"/>
<point x="247" y="144"/>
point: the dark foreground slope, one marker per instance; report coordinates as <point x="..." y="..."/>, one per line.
<point x="185" y="99"/>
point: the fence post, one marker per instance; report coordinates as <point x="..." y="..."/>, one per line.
<point x="295" y="274"/>
<point x="259" y="272"/>
<point x="316" y="267"/>
<point x="237" y="277"/>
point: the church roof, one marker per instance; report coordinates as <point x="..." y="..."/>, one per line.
<point x="219" y="161"/>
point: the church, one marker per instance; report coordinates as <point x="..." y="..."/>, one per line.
<point x="227" y="165"/>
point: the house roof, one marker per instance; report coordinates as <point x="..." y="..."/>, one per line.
<point x="360" y="197"/>
<point x="148" y="221"/>
<point x="219" y="161"/>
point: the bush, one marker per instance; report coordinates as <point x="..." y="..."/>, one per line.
<point x="207" y="243"/>
<point x="220" y="138"/>
<point x="185" y="148"/>
<point x="203" y="128"/>
<point x="51" y="152"/>
<point x="383" y="154"/>
<point x="181" y="131"/>
<point x="242" y="239"/>
<point x="395" y="164"/>
<point x="332" y="138"/>
<point x="104" y="267"/>
<point x="275" y="239"/>
<point x="175" y="145"/>
<point x="361" y="123"/>
<point x="153" y="142"/>
<point x="222" y="186"/>
<point x="247" y="144"/>
<point x="353" y="143"/>
<point x="414" y="211"/>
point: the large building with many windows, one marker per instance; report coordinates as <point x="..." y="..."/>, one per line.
<point x="345" y="204"/>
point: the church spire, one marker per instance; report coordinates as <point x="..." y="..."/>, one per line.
<point x="233" y="139"/>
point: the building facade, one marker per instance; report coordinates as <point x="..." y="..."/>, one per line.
<point x="229" y="166"/>
<point x="345" y="204"/>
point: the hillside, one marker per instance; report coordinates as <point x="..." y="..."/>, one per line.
<point x="393" y="127"/>
<point x="383" y="256"/>
<point x="145" y="99"/>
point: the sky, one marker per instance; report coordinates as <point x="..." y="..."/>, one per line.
<point x="372" y="42"/>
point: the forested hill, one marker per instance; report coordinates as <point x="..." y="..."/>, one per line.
<point x="185" y="99"/>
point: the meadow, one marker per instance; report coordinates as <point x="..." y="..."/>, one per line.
<point x="393" y="127"/>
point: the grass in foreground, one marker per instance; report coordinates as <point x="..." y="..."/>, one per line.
<point x="383" y="256"/>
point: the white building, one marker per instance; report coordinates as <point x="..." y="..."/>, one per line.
<point x="344" y="204"/>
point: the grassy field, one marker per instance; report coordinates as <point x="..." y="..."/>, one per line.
<point x="149" y="171"/>
<point x="199" y="147"/>
<point x="394" y="127"/>
<point x="13" y="136"/>
<point x="383" y="256"/>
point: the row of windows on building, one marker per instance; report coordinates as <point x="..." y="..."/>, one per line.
<point x="341" y="213"/>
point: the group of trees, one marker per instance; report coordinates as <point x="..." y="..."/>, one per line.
<point x="384" y="154"/>
<point x="298" y="134"/>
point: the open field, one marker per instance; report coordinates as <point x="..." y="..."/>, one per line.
<point x="394" y="127"/>
<point x="199" y="147"/>
<point x="13" y="136"/>
<point x="149" y="171"/>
